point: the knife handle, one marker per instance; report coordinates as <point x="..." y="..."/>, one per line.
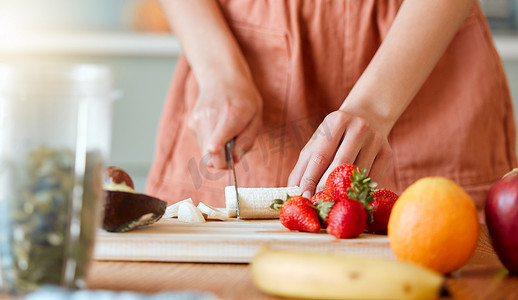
<point x="229" y="149"/>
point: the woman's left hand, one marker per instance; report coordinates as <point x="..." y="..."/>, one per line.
<point x="349" y="139"/>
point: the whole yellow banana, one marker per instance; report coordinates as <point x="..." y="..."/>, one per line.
<point x="321" y="275"/>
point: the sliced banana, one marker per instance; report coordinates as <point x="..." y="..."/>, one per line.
<point x="189" y="213"/>
<point x="172" y="210"/>
<point x="254" y="203"/>
<point x="211" y="212"/>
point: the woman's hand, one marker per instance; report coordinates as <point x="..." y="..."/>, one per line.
<point x="229" y="104"/>
<point x="226" y="109"/>
<point x="343" y="137"/>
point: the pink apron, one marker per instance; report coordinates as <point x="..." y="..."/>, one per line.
<point x="305" y="57"/>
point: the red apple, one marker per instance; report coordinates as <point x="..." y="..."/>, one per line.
<point x="116" y="179"/>
<point x="502" y="220"/>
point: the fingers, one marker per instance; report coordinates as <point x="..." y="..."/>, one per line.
<point x="348" y="150"/>
<point x="298" y="171"/>
<point x="229" y="126"/>
<point x="318" y="154"/>
<point x="363" y="147"/>
<point x="317" y="165"/>
<point x="217" y="151"/>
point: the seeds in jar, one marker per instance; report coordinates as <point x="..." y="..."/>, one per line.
<point x="40" y="212"/>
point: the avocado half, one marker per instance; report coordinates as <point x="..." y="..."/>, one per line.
<point x="125" y="211"/>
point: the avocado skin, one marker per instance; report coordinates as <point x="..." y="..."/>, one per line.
<point x="122" y="209"/>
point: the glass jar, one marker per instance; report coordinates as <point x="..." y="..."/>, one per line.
<point x="55" y="134"/>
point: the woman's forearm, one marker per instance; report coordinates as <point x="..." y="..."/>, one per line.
<point x="208" y="43"/>
<point x="416" y="41"/>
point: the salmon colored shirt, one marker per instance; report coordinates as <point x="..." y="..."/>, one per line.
<point x="305" y="57"/>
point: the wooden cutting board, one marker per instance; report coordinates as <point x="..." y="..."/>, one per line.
<point x="225" y="242"/>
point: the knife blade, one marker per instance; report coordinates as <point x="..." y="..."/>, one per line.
<point x="229" y="151"/>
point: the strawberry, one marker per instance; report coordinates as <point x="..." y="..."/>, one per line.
<point x="338" y="181"/>
<point x="320" y="195"/>
<point x="381" y="207"/>
<point x="342" y="178"/>
<point x="297" y="213"/>
<point x="347" y="219"/>
<point x="352" y="189"/>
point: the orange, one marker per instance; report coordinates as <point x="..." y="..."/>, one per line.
<point x="434" y="223"/>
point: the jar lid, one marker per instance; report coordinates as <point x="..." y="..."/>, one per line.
<point x="84" y="80"/>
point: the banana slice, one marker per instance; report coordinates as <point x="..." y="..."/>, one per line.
<point x="211" y="212"/>
<point x="172" y="210"/>
<point x="254" y="203"/>
<point x="189" y="213"/>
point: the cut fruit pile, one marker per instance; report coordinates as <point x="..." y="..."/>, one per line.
<point x="348" y="206"/>
<point x="186" y="211"/>
<point x="253" y="204"/>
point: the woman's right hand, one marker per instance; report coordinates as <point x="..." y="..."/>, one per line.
<point x="229" y="104"/>
<point x="226" y="108"/>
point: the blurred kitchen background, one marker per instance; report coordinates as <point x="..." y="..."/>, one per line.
<point x="132" y="36"/>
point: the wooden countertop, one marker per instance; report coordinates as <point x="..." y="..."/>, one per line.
<point x="482" y="278"/>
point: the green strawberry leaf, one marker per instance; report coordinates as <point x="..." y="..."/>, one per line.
<point x="323" y="209"/>
<point x="277" y="203"/>
<point x="361" y="190"/>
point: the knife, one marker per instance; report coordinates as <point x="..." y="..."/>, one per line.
<point x="229" y="151"/>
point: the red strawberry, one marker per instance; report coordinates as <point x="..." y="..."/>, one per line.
<point x="320" y="195"/>
<point x="340" y="180"/>
<point x="349" y="215"/>
<point x="347" y="219"/>
<point x="297" y="213"/>
<point x="381" y="207"/>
